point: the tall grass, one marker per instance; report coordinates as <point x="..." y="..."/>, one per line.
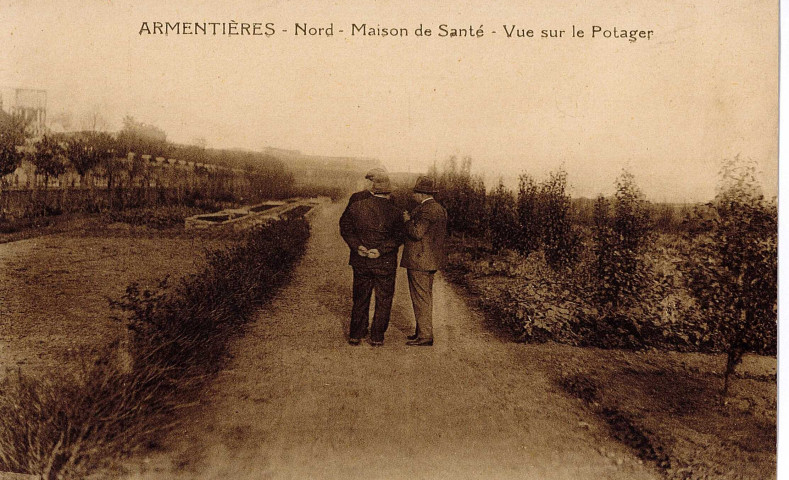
<point x="64" y="426"/>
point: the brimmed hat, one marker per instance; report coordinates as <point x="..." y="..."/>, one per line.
<point x="381" y="185"/>
<point x="425" y="184"/>
<point x="375" y="173"/>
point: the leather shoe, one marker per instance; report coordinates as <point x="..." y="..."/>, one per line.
<point x="375" y="343"/>
<point x="420" y="342"/>
<point x="413" y="337"/>
<point x="354" y="341"/>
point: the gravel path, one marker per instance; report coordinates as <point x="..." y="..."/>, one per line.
<point x="298" y="402"/>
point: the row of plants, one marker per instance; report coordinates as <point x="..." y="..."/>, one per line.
<point x="632" y="276"/>
<point x="88" y="151"/>
<point x="111" y="179"/>
<point x="64" y="426"/>
<point x="99" y="160"/>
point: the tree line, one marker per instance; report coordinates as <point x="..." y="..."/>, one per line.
<point x="728" y="247"/>
<point x="127" y="160"/>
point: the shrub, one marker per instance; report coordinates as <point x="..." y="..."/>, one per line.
<point x="620" y="241"/>
<point x="529" y="221"/>
<point x="464" y="198"/>
<point x="560" y="241"/>
<point x="309" y="190"/>
<point x="502" y="218"/>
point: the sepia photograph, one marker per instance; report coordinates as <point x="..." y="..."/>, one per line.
<point x="389" y="240"/>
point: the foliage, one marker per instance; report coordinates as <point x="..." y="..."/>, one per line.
<point x="130" y="180"/>
<point x="142" y="138"/>
<point x="12" y="136"/>
<point x="334" y="193"/>
<point x="268" y="182"/>
<point x="89" y="150"/>
<point x="733" y="269"/>
<point x="463" y="196"/>
<point x="620" y="242"/>
<point x="538" y="217"/>
<point x="560" y="241"/>
<point x="502" y="218"/>
<point x="49" y="157"/>
<point x="664" y="218"/>
<point x="706" y="283"/>
<point x="529" y="221"/>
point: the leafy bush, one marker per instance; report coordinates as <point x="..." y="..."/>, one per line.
<point x="464" y="198"/>
<point x="538" y="303"/>
<point x="734" y="266"/>
<point x="529" y="220"/>
<point x="561" y="241"/>
<point x="620" y="242"/>
<point x="667" y="218"/>
<point x="705" y="283"/>
<point x="502" y="218"/>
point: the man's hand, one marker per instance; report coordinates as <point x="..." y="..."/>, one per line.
<point x="362" y="251"/>
<point x="406" y="216"/>
<point x="373" y="253"/>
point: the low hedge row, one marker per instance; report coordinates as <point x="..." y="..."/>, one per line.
<point x="537" y="303"/>
<point x="64" y="426"/>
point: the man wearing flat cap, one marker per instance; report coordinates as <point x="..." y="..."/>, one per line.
<point x="372" y="228"/>
<point x="368" y="190"/>
<point x="423" y="255"/>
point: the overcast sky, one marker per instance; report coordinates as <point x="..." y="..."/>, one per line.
<point x="704" y="88"/>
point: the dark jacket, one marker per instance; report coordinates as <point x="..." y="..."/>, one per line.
<point x="425" y="235"/>
<point x="362" y="195"/>
<point x="344" y="218"/>
<point x="375" y="223"/>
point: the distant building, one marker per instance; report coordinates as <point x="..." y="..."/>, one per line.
<point x="27" y="103"/>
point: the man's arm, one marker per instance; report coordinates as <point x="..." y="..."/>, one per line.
<point x="395" y="237"/>
<point x="419" y="224"/>
<point x="347" y="228"/>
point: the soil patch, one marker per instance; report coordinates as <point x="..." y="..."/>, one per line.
<point x="57" y="286"/>
<point x="665" y="407"/>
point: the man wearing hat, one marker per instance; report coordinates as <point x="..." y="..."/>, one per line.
<point x="372" y="228"/>
<point x="368" y="191"/>
<point x="423" y="255"/>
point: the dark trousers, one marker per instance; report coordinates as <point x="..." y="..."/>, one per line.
<point x="365" y="281"/>
<point x="420" y="284"/>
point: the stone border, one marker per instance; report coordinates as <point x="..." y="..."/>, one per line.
<point x="245" y="217"/>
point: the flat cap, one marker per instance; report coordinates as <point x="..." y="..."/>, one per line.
<point x="376" y="172"/>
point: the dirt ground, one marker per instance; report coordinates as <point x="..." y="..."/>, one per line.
<point x="56" y="286"/>
<point x="666" y="407"/>
<point x="298" y="402"/>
